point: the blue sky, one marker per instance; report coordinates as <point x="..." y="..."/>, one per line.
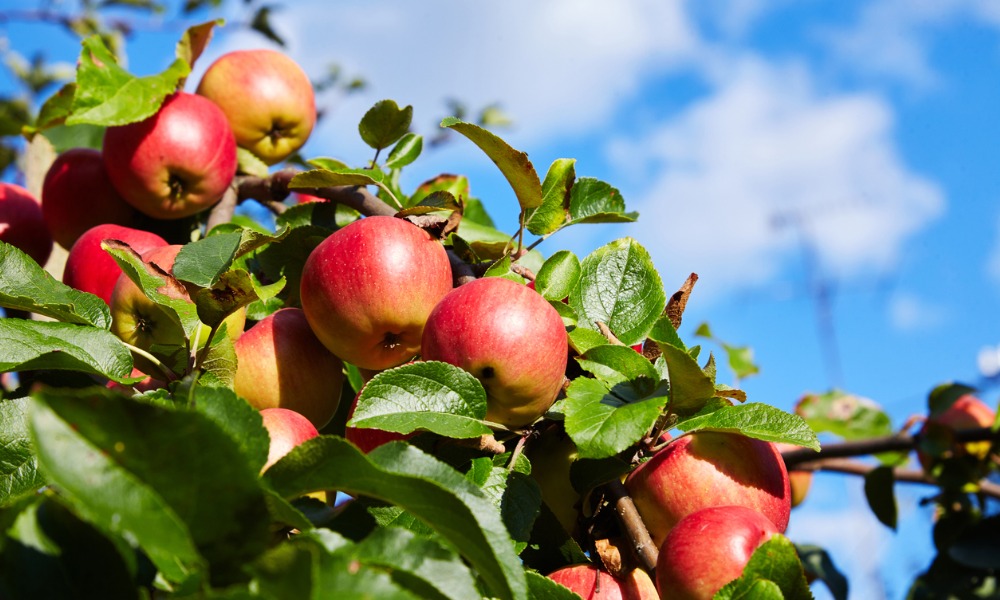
<point x="769" y="146"/>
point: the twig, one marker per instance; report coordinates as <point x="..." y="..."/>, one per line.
<point x="854" y="467"/>
<point x="893" y="443"/>
<point x="631" y="522"/>
<point x="461" y="271"/>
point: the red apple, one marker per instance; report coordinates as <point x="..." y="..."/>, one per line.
<point x="301" y="198"/>
<point x="77" y="195"/>
<point x="177" y="162"/>
<point x="267" y="98"/>
<point x="368" y="288"/>
<point x="90" y="269"/>
<point x="510" y="338"/>
<point x="145" y="385"/>
<point x="368" y="439"/>
<point x="287" y="429"/>
<point x="967" y="412"/>
<point x="21" y="222"/>
<point x="709" y="548"/>
<point x="281" y="364"/>
<point x="706" y="469"/>
<point x="591" y="583"/>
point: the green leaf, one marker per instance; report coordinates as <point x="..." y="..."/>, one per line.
<point x="240" y="421"/>
<point x="845" y="415"/>
<point x="663" y="332"/>
<point x="55" y="110"/>
<point x="26" y="286"/>
<point x="248" y="164"/>
<point x="553" y="212"/>
<point x="318" y="178"/>
<point x="756" y="420"/>
<point x="619" y="286"/>
<point x="515" y="494"/>
<point x="774" y="571"/>
<point x="19" y="475"/>
<point x="630" y="376"/>
<point x="434" y="202"/>
<point x="456" y="185"/>
<point x="582" y="340"/>
<point x="977" y="546"/>
<point x="403" y="475"/>
<point x="429" y="395"/>
<point x="220" y="362"/>
<point x="543" y="588"/>
<point x="602" y="425"/>
<point x="107" y="94"/>
<point x="385" y="123"/>
<point x="328" y="164"/>
<point x="559" y="274"/>
<point x="199" y="501"/>
<point x="261" y="23"/>
<point x="514" y="164"/>
<point x="405" y="151"/>
<point x="881" y="495"/>
<point x="943" y="396"/>
<point x="203" y="262"/>
<point x="31" y="345"/>
<point x="817" y="563"/>
<point x="690" y="387"/>
<point x="194" y="41"/>
<point x="594" y="201"/>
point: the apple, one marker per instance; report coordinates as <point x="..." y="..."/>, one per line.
<point x="141" y="322"/>
<point x="175" y="163"/>
<point x="799" y="480"/>
<point x="967" y="412"/>
<point x="510" y="338"/>
<point x="709" y="548"/>
<point x="287" y="430"/>
<point x="592" y="583"/>
<point x="90" y="269"/>
<point x="281" y="364"/>
<point x="705" y="469"/>
<point x="77" y="195"/>
<point x="267" y="98"/>
<point x="368" y="288"/>
<point x="146" y="385"/>
<point x="302" y="198"/>
<point x="368" y="439"/>
<point x="22" y="224"/>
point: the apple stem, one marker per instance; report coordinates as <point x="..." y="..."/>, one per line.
<point x="518" y="450"/>
<point x="165" y="371"/>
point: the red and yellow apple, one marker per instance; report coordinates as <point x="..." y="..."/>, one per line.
<point x="368" y="288"/>
<point x="592" y="583"/>
<point x="175" y="163"/>
<point x="799" y="480"/>
<point x="367" y="439"/>
<point x="705" y="469"/>
<point x="281" y="364"/>
<point x="90" y="269"/>
<point x="287" y="430"/>
<point x="508" y="337"/>
<point x="967" y="412"/>
<point x="22" y="224"/>
<point x="267" y="98"/>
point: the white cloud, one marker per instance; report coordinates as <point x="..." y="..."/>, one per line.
<point x="764" y="168"/>
<point x="908" y="312"/>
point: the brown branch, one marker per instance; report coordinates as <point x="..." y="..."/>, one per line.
<point x="224" y="209"/>
<point x="893" y="443"/>
<point x="635" y="530"/>
<point x="274" y="189"/>
<point x="854" y="467"/>
<point x="461" y="271"/>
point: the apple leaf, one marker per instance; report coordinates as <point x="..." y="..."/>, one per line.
<point x="203" y="262"/>
<point x="26" y="286"/>
<point x="542" y="588"/>
<point x="502" y="268"/>
<point x="756" y="420"/>
<point x="385" y="123"/>
<point x="976" y="546"/>
<point x="626" y="372"/>
<point x="774" y="571"/>
<point x="456" y="185"/>
<point x="55" y="110"/>
<point x="194" y="41"/>
<point x="405" y="151"/>
<point x="690" y="386"/>
<point x="515" y="494"/>
<point x="429" y="395"/>
<point x="514" y="164"/>
<point x="29" y="345"/>
<point x="817" y="563"/>
<point x="559" y="274"/>
<point x="434" y="202"/>
<point x="108" y="95"/>
<point x="881" y="495"/>
<point x="600" y="423"/>
<point x="581" y="340"/>
<point x="435" y="493"/>
<point x="199" y="502"/>
<point x="845" y="415"/>
<point x="553" y="212"/>
<point x="566" y="313"/>
<point x="594" y="201"/>
<point x="249" y="164"/>
<point x="619" y="286"/>
<point x="19" y="474"/>
<point x="240" y="421"/>
<point x="663" y="332"/>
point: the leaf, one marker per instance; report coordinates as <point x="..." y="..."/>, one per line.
<point x="248" y="164"/>
<point x="203" y="262"/>
<point x="756" y="420"/>
<point x="201" y="499"/>
<point x="405" y="151"/>
<point x="559" y="274"/>
<point x="943" y="396"/>
<point x="977" y="546"/>
<point x="261" y="23"/>
<point x="32" y="345"/>
<point x="240" y="421"/>
<point x="385" y="123"/>
<point x="619" y="286"/>
<point x="774" y="571"/>
<point x="318" y="178"/>
<point x="515" y="494"/>
<point x="428" y="395"/>
<point x="817" y="563"/>
<point x="456" y="185"/>
<point x="107" y="94"/>
<point x="881" y="495"/>
<point x="594" y="201"/>
<point x="434" y="202"/>
<point x="19" y="475"/>
<point x="403" y="475"/>
<point x="514" y="165"/>
<point x="846" y="415"/>
<point x="55" y="109"/>
<point x="543" y="588"/>
<point x="26" y="286"/>
<point x="690" y="387"/>
<point x="194" y="41"/>
<point x="627" y="373"/>
<point x="663" y="332"/>
<point x="553" y="212"/>
<point x="600" y="424"/>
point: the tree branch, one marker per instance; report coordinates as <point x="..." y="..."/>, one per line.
<point x="635" y="530"/>
<point x="854" y="467"/>
<point x="893" y="443"/>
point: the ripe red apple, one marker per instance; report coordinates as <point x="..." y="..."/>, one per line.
<point x="368" y="439"/>
<point x="287" y="429"/>
<point x="141" y="322"/>
<point x="967" y="412"/>
<point x="706" y="469"/>
<point x="368" y="288"/>
<point x="21" y="222"/>
<point x="77" y="195"/>
<point x="591" y="583"/>
<point x="281" y="364"/>
<point x="145" y="385"/>
<point x="177" y="162"/>
<point x="90" y="269"/>
<point x="301" y="198"/>
<point x="267" y="98"/>
<point x="709" y="548"/>
<point x="510" y="338"/>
